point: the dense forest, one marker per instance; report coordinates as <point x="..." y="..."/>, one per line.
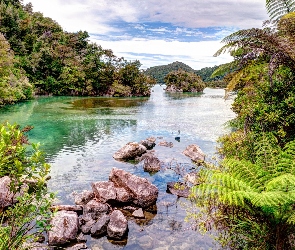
<point x="249" y="197"/>
<point x="38" y="57"/>
<point x="160" y="72"/>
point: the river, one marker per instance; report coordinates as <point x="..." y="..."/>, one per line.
<point x="80" y="135"/>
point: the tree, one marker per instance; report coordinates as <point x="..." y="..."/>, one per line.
<point x="184" y="81"/>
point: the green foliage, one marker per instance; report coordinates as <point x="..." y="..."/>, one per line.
<point x="184" y="81"/>
<point x="28" y="172"/>
<point x="14" y="86"/>
<point x="58" y="62"/>
<point x="263" y="191"/>
<point x="160" y="72"/>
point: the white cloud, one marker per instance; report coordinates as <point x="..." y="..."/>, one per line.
<point x="97" y="17"/>
<point x="157" y="52"/>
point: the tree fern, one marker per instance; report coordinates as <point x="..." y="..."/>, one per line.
<point x="278" y="8"/>
<point x="267" y="186"/>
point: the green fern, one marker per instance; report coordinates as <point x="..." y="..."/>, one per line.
<point x="269" y="184"/>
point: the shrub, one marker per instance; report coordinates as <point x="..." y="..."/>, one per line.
<point x="24" y="163"/>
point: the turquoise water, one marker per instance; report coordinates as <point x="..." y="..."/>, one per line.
<point x="80" y="135"/>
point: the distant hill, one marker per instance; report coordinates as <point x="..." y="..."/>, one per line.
<point x="159" y="72"/>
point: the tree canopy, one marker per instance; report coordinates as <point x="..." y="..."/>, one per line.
<point x="55" y="62"/>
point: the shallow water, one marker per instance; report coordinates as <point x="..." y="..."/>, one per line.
<point x="80" y="135"/>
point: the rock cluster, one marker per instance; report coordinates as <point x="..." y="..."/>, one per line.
<point x="102" y="210"/>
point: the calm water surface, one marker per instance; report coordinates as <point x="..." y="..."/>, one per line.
<point x="80" y="135"/>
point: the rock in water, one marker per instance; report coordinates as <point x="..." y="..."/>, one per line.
<point x="149" y="143"/>
<point x="100" y="227"/>
<point x="151" y="163"/>
<point x="64" y="228"/>
<point x="138" y="213"/>
<point x="194" y="152"/>
<point x="178" y="188"/>
<point x="130" y="151"/>
<point x="95" y="209"/>
<point x="84" y="197"/>
<point x="143" y="192"/>
<point x="104" y="191"/>
<point x="117" y="226"/>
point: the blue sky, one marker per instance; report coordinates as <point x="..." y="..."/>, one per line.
<point x="158" y="32"/>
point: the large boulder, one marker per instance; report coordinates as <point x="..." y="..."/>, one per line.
<point x="151" y="163"/>
<point x="64" y="228"/>
<point x="143" y="192"/>
<point x="123" y="195"/>
<point x="95" y="209"/>
<point x="117" y="226"/>
<point x="104" y="191"/>
<point x="130" y="151"/>
<point x="194" y="152"/>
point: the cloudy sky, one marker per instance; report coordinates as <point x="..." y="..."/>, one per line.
<point x="157" y="32"/>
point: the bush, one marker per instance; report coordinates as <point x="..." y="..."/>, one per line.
<point x="25" y="165"/>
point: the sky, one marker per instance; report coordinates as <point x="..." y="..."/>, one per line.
<point x="158" y="32"/>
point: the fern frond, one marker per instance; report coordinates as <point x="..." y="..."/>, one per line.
<point x="277" y="8"/>
<point x="290" y="148"/>
<point x="246" y="171"/>
<point x="284" y="183"/>
<point x="291" y="218"/>
<point x="273" y="199"/>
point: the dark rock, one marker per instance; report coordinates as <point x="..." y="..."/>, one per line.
<point x="149" y="143"/>
<point x="100" y="227"/>
<point x="166" y="144"/>
<point x="84" y="197"/>
<point x="85" y="223"/>
<point x="123" y="195"/>
<point x="64" y="228"/>
<point x="130" y="151"/>
<point x="96" y="209"/>
<point x="151" y="163"/>
<point x="104" y="191"/>
<point x="77" y="247"/>
<point x="67" y="208"/>
<point x="178" y="188"/>
<point x="138" y="213"/>
<point x="117" y="226"/>
<point x="143" y="192"/>
<point x="194" y="152"/>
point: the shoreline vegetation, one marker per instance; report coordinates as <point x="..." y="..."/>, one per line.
<point x="248" y="198"/>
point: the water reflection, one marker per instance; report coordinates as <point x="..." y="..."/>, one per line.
<point x="80" y="135"/>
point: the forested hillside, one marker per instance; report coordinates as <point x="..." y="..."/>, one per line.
<point x="38" y="57"/>
<point x="160" y="72"/>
